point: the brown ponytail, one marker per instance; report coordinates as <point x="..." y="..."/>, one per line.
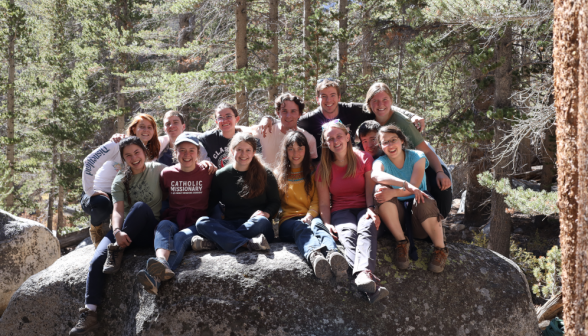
<point x="128" y="173"/>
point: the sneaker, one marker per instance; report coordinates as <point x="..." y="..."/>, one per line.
<point x="338" y="263"/>
<point x="401" y="256"/>
<point x="381" y="292"/>
<point x="367" y="282"/>
<point x="438" y="260"/>
<point x="160" y="268"/>
<point x="320" y="265"/>
<point x="88" y="321"/>
<point x="113" y="259"/>
<point x="258" y="243"/>
<point x="200" y="243"/>
<point x="150" y="283"/>
<point x="96" y="234"/>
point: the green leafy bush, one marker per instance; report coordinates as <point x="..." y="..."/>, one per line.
<point x="548" y="274"/>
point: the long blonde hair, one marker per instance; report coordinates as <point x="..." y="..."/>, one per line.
<point x="328" y="157"/>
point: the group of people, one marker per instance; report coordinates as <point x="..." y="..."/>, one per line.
<point x="221" y="190"/>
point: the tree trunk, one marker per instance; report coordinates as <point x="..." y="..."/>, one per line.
<point x="399" y="78"/>
<point x="366" y="32"/>
<point x="60" y="198"/>
<point x="307" y="87"/>
<point x="10" y="148"/>
<point x="570" y="61"/>
<point x="342" y="55"/>
<point x="52" y="190"/>
<point x="548" y="158"/>
<point x="120" y="104"/>
<point x="272" y="91"/>
<point x="476" y="193"/>
<point x="241" y="57"/>
<point x="501" y="222"/>
<point x="524" y="155"/>
<point x="185" y="35"/>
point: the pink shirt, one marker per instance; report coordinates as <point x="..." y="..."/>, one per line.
<point x="349" y="193"/>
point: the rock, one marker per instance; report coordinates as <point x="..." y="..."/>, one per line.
<point x="26" y="247"/>
<point x="455" y="203"/>
<point x="518" y="230"/>
<point x="216" y="293"/>
<point x="457" y="227"/>
<point x="462" y="203"/>
<point x="84" y="243"/>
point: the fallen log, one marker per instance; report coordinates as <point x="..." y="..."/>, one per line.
<point x="551" y="308"/>
<point x="73" y="238"/>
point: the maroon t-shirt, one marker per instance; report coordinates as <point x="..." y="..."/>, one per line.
<point x="187" y="192"/>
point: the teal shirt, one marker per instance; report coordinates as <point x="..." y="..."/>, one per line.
<point x="402" y="122"/>
<point x="410" y="158"/>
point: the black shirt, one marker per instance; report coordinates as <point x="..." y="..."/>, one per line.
<point x="217" y="146"/>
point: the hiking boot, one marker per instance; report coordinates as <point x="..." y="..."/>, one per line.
<point x="320" y="265"/>
<point x="367" y="282"/>
<point x="88" y="321"/>
<point x="338" y="263"/>
<point x="96" y="234"/>
<point x="381" y="292"/>
<point x="438" y="259"/>
<point x="150" y="282"/>
<point x="258" y="243"/>
<point x="113" y="259"/>
<point x="159" y="268"/>
<point x="401" y="256"/>
<point x="200" y="243"/>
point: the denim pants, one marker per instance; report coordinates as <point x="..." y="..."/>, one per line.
<point x="169" y="237"/>
<point x="232" y="234"/>
<point x="98" y="207"/>
<point x="359" y="237"/>
<point x="140" y="225"/>
<point x="296" y="231"/>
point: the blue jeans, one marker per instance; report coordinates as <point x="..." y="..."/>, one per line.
<point x="232" y="234"/>
<point x="296" y="231"/>
<point x="324" y="237"/>
<point x="139" y="225"/>
<point x="168" y="237"/>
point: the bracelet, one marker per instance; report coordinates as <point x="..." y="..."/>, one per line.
<point x="403" y="186"/>
<point x="117" y="230"/>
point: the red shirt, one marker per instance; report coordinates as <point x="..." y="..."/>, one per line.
<point x="188" y="194"/>
<point x="349" y="193"/>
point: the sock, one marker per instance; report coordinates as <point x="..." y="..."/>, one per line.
<point x="91" y="307"/>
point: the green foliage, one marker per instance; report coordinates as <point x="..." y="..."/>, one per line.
<point x="548" y="274"/>
<point x="525" y="260"/>
<point x="526" y="201"/>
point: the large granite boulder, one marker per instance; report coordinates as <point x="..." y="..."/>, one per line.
<point x="26" y="247"/>
<point x="216" y="293"/>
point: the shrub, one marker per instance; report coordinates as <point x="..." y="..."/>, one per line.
<point x="548" y="274"/>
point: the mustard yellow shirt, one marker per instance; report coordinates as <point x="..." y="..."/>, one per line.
<point x="295" y="202"/>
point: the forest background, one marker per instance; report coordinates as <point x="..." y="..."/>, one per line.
<point x="73" y="72"/>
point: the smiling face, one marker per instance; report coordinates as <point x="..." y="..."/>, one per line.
<point x="391" y="145"/>
<point x="370" y="143"/>
<point x="134" y="157"/>
<point x="173" y="126"/>
<point x="289" y="114"/>
<point x="187" y="154"/>
<point x="380" y="104"/>
<point x="329" y="99"/>
<point x="296" y="155"/>
<point x="337" y="140"/>
<point x="243" y="154"/>
<point x="226" y="120"/>
<point x="144" y="131"/>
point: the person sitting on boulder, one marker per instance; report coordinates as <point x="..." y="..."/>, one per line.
<point x="137" y="202"/>
<point x="378" y="100"/>
<point x="346" y="204"/>
<point x="396" y="168"/>
<point x="250" y="194"/>
<point x="300" y="222"/>
<point x="367" y="133"/>
<point x="188" y="186"/>
<point x="100" y="169"/>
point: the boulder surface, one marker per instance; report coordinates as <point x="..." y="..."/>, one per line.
<point x="275" y="293"/>
<point x="26" y="247"/>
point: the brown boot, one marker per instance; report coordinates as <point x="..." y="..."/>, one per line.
<point x="113" y="259"/>
<point x="96" y="233"/>
<point x="401" y="256"/>
<point x="438" y="259"/>
<point x="88" y="321"/>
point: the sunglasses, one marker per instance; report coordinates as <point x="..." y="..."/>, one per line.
<point x="332" y="122"/>
<point x="329" y="79"/>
